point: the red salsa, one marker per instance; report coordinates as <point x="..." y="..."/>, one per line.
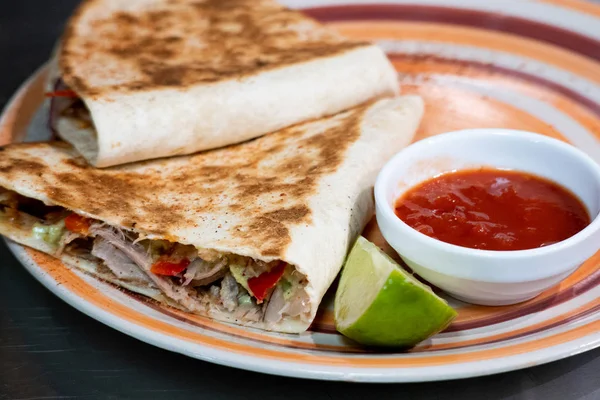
<point x="493" y="210"/>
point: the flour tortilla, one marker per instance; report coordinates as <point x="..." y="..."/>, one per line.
<point x="163" y="78"/>
<point x="300" y="195"/>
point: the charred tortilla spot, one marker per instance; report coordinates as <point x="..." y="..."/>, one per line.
<point x="164" y="52"/>
<point x="271" y="234"/>
<point x="173" y="39"/>
<point x="158" y="18"/>
<point x="235" y="207"/>
<point x="125" y="18"/>
<point x="76" y="163"/>
<point x="101" y="191"/>
<point x="162" y="75"/>
<point x="273" y="252"/>
<point x="57" y="194"/>
<point x="18" y="165"/>
<point x="293" y="214"/>
<point x="179" y="44"/>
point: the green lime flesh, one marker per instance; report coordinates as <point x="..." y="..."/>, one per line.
<point x="377" y="303"/>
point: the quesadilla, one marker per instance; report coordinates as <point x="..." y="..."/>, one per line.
<point x="145" y="79"/>
<point x="253" y="233"/>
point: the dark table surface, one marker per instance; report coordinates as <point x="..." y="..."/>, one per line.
<point x="49" y="350"/>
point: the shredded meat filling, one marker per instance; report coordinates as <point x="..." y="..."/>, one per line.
<point x="229" y="292"/>
<point x="206" y="284"/>
<point x="202" y="273"/>
<point x="185" y="296"/>
<point x="117" y="261"/>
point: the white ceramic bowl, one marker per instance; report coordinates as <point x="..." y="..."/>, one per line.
<point x="484" y="276"/>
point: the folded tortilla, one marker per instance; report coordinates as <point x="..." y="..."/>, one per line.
<point x="253" y="233"/>
<point x="144" y="79"/>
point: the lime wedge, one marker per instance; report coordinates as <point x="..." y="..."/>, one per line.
<point x="377" y="303"/>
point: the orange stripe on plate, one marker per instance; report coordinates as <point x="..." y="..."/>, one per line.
<point x="77" y="286"/>
<point x="475" y="313"/>
<point x="512" y="333"/>
<point x="248" y="334"/>
<point x="586" y="7"/>
<point x="447" y="33"/>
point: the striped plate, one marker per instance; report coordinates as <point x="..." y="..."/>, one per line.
<point x="532" y="65"/>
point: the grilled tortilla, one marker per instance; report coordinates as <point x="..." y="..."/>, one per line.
<point x="253" y="233"/>
<point x="147" y="79"/>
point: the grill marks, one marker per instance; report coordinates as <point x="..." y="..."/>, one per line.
<point x="181" y="43"/>
<point x="249" y="194"/>
<point x="27" y="166"/>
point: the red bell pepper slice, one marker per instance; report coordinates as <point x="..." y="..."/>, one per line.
<point x="61" y="93"/>
<point x="164" y="266"/>
<point x="78" y="224"/>
<point x="261" y="284"/>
